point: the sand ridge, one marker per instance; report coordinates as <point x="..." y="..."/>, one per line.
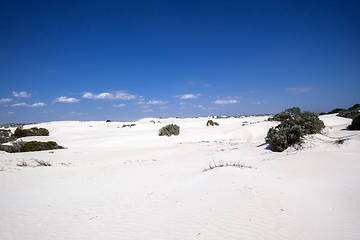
<point x="129" y="183"/>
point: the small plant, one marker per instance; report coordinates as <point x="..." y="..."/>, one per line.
<point x="214" y="164"/>
<point x="210" y="123"/>
<point x="42" y="163"/>
<point x="170" y="129"/>
<point x="22" y="164"/>
<point x="108" y="120"/>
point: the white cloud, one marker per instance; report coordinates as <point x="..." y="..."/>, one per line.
<point x="147" y="110"/>
<point x="6" y="100"/>
<point x="157" y="102"/>
<point x="11" y="113"/>
<point x="22" y="94"/>
<point x="222" y="102"/>
<point x="188" y="96"/>
<point x="114" y="95"/>
<point x="299" y="90"/>
<point x="64" y="99"/>
<point x="38" y="105"/>
<point x="120" y="105"/>
<point x="20" y="105"/>
<point x="28" y="105"/>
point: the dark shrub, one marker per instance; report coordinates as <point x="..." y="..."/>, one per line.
<point x="348" y="113"/>
<point x="39" y="132"/>
<point x="108" y="120"/>
<point x="19" y="132"/>
<point x="355" y="107"/>
<point x="210" y="123"/>
<point x="336" y="110"/>
<point x="294" y="125"/>
<point x="169" y="130"/>
<point x="355" y="125"/>
<point x="39" y="146"/>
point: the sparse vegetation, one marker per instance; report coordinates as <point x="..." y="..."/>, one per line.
<point x="23" y="163"/>
<point x="39" y="146"/>
<point x="19" y="132"/>
<point x="211" y="123"/>
<point x="42" y="163"/>
<point x="355" y="124"/>
<point x="294" y="125"/>
<point x="170" y="129"/>
<point x="214" y="164"/>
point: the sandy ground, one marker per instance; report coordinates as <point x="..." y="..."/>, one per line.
<point x="129" y="183"/>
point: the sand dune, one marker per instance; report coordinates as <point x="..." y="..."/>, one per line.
<point x="129" y="183"/>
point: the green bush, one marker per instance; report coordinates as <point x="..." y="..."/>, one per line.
<point x="169" y="130"/>
<point x="294" y="125"/>
<point x="348" y="113"/>
<point x="40" y="131"/>
<point x="39" y="146"/>
<point x="19" y="132"/>
<point x="355" y="124"/>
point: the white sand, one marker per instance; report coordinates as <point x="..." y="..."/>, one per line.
<point x="129" y="183"/>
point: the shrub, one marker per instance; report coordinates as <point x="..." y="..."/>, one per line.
<point x="348" y="113"/>
<point x="294" y="125"/>
<point x="40" y="131"/>
<point x="19" y="132"/>
<point x="108" y="120"/>
<point x="39" y="146"/>
<point x="336" y="110"/>
<point x="169" y="130"/>
<point x="355" y="124"/>
<point x="210" y="123"/>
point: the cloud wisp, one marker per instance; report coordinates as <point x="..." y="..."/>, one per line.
<point x="299" y="90"/>
<point x="119" y="105"/>
<point x="157" y="102"/>
<point x="188" y="96"/>
<point x="6" y="100"/>
<point x="29" y="105"/>
<point x="64" y="99"/>
<point x="21" y="94"/>
<point x="113" y="95"/>
<point x="223" y="101"/>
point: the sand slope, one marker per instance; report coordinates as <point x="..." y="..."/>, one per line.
<point x="128" y="183"/>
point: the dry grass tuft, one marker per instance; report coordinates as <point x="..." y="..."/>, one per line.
<point x="220" y="163"/>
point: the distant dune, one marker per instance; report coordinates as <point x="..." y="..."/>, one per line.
<point x="115" y="182"/>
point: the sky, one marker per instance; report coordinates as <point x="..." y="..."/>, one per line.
<point x="127" y="60"/>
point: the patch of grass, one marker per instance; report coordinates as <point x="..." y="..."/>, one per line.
<point x="220" y="163"/>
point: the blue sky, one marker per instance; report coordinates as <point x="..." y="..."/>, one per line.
<point x="125" y="60"/>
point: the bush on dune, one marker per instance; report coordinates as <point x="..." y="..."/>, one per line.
<point x="19" y="132"/>
<point x="39" y="146"/>
<point x="170" y="129"/>
<point x="294" y="125"/>
<point x="355" y="124"/>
